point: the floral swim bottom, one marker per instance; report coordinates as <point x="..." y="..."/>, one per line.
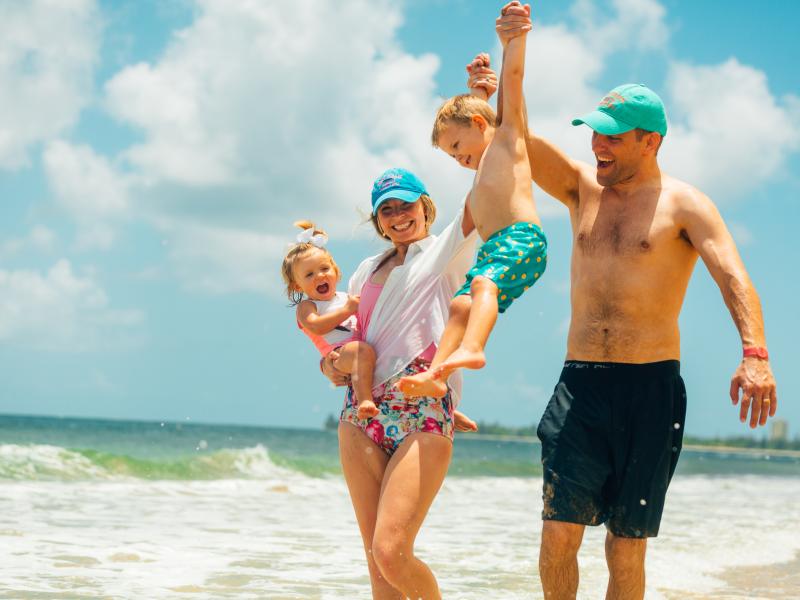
<point x="398" y="417"/>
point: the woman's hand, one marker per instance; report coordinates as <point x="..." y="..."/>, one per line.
<point x="337" y="377"/>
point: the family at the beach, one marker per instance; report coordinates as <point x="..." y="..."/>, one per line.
<point x="416" y="314"/>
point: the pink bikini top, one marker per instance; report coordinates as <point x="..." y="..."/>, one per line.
<point x="369" y="298"/>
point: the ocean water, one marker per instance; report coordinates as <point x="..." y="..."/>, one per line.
<point x="116" y="509"/>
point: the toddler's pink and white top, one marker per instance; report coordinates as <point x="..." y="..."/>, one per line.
<point x="412" y="310"/>
<point x="341" y="334"/>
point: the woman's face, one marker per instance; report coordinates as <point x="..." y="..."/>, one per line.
<point x="403" y="222"/>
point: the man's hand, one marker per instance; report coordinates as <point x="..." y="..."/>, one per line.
<point x="336" y="376"/>
<point x="482" y="80"/>
<point x="352" y="304"/>
<point x="514" y="20"/>
<point x="755" y="380"/>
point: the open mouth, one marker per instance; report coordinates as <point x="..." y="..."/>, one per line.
<point x="604" y="163"/>
<point x="323" y="288"/>
<point x="403" y="226"/>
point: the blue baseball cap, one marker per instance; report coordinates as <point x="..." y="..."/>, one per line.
<point x="396" y="184"/>
<point x="629" y="106"/>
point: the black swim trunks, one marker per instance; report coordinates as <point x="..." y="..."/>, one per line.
<point x="611" y="436"/>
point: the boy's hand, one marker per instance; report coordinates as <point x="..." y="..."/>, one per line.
<point x="482" y="80"/>
<point x="352" y="303"/>
<point x="514" y="20"/>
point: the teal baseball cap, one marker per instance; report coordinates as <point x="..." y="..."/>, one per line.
<point x="396" y="184"/>
<point x="626" y="107"/>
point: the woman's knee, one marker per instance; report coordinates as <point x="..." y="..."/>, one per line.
<point x="391" y="555"/>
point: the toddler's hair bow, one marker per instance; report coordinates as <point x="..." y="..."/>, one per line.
<point x="307" y="237"/>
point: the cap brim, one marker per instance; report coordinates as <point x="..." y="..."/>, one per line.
<point x="404" y="195"/>
<point x="603" y="123"/>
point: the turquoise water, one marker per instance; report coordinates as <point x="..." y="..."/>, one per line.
<point x="191" y="451"/>
<point x="123" y="509"/>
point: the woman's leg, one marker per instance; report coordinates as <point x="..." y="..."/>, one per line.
<point x="410" y="483"/>
<point x="364" y="465"/>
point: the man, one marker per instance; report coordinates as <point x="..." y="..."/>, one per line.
<point x="612" y="432"/>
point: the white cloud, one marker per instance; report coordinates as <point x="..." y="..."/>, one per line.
<point x="48" y="50"/>
<point x="728" y="133"/>
<point x="217" y="260"/>
<point x="88" y="187"/>
<point x="258" y="114"/>
<point x="59" y="310"/>
<point x="38" y="239"/>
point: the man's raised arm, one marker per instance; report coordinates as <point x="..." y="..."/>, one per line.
<point x="709" y="236"/>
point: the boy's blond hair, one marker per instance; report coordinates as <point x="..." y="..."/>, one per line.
<point x="460" y="109"/>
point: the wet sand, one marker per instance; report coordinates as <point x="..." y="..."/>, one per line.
<point x="772" y="582"/>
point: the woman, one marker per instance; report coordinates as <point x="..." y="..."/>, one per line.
<point x="395" y="462"/>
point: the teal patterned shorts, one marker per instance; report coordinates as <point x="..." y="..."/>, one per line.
<point x="398" y="417"/>
<point x="514" y="258"/>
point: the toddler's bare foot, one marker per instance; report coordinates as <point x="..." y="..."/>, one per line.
<point x="463" y="423"/>
<point x="461" y="359"/>
<point x="422" y="384"/>
<point x="367" y="409"/>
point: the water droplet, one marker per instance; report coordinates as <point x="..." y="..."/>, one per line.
<point x="643" y="502"/>
<point x="202" y="444"/>
<point x="368" y="449"/>
<point x="674" y="448"/>
<point x="677" y="426"/>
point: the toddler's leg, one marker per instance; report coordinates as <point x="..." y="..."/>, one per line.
<point x="358" y="359"/>
<point x="482" y="317"/>
<point x="428" y="383"/>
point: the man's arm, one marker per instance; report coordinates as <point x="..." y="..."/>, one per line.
<point x="710" y="237"/>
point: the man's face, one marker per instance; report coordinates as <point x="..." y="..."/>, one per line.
<point x="618" y="156"/>
<point x="465" y="143"/>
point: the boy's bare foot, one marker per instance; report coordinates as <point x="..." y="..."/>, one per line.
<point x="463" y="423"/>
<point x="367" y="409"/>
<point x="422" y="384"/>
<point x="462" y="359"/>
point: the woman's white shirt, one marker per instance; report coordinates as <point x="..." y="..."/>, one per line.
<point x="413" y="307"/>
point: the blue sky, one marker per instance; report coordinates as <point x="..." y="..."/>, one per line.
<point x="154" y="155"/>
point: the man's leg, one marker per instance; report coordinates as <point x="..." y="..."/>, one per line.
<point x="558" y="559"/>
<point x="413" y="477"/>
<point x="428" y="383"/>
<point x="625" y="558"/>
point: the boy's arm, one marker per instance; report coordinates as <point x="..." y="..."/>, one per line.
<point x="510" y="102"/>
<point x="551" y="169"/>
<point x="321" y="324"/>
<point x="710" y="237"/>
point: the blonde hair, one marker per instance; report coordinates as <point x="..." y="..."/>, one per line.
<point x="428" y="207"/>
<point x="460" y="109"/>
<point x="295" y="253"/>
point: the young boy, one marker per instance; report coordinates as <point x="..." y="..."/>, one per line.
<point x="514" y="253"/>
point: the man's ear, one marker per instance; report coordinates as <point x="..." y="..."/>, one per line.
<point x="480" y="122"/>
<point x="653" y="141"/>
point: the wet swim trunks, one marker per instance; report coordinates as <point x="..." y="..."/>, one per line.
<point x="611" y="436"/>
<point x="398" y="418"/>
<point x="513" y="258"/>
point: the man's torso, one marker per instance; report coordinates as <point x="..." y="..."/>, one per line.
<point x="631" y="264"/>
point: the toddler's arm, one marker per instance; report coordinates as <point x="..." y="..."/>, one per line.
<point x="511" y="103"/>
<point x="318" y="324"/>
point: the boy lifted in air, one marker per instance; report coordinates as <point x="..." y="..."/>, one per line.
<point x="514" y="253"/>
